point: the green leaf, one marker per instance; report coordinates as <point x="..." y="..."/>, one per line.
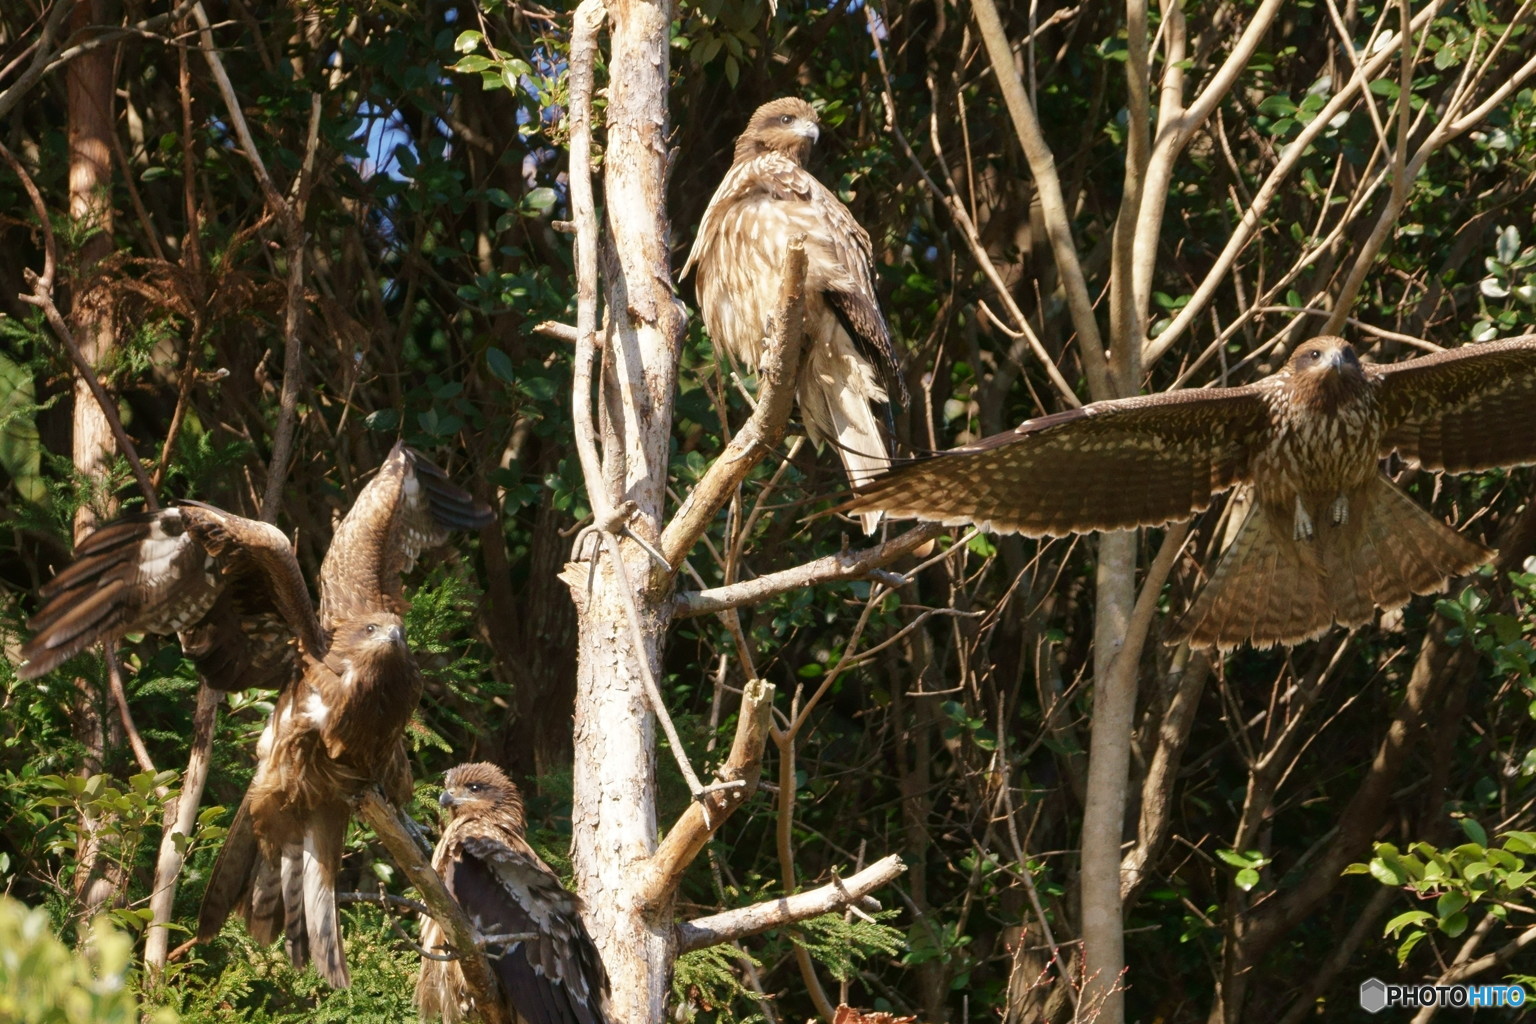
<point x="500" y="365"/>
<point x="474" y="64"/>
<point x="1450" y="903"/>
<point x="1454" y="925"/>
<point x="1473" y="831"/>
<point x="1508" y="245"/>
<point x="1246" y="879"/>
<point x="540" y="199"/>
<point x="1401" y="921"/>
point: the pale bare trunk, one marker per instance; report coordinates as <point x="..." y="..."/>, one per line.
<point x="89" y="85"/>
<point x="614" y="812"/>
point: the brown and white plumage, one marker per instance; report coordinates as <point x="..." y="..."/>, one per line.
<point x="338" y="725"/>
<point x="230" y="586"/>
<point x="765" y="199"/>
<point x="1329" y="538"/>
<point x="233" y="591"/>
<point x="504" y="887"/>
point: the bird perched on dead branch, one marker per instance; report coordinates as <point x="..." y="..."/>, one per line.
<point x="1329" y="538"/>
<point x="233" y="590"/>
<point x="766" y="199"/>
<point x="544" y="960"/>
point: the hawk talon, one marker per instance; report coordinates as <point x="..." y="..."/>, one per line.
<point x="1338" y="512"/>
<point x="1304" y="528"/>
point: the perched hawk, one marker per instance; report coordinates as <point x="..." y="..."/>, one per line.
<point x="766" y="198"/>
<point x="553" y="977"/>
<point x="1329" y="537"/>
<point x="232" y="588"/>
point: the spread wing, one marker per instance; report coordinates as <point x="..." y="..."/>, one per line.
<point x="556" y="978"/>
<point x="407" y="508"/>
<point x="1463" y="409"/>
<point x="229" y="585"/>
<point x="1107" y="466"/>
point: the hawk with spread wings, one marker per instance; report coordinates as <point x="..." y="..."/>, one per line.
<point x="551" y="972"/>
<point x="233" y="590"/>
<point x="1329" y="539"/>
<point x="765" y="199"/>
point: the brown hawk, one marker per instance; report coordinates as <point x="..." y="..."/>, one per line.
<point x="765" y="199"/>
<point x="1329" y="538"/>
<point x="226" y="584"/>
<point x="550" y="972"/>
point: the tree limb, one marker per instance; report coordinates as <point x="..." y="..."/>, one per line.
<point x="764" y="429"/>
<point x="760" y="917"/>
<point x="289" y="216"/>
<point x="705" y="816"/>
<point x="589" y="19"/>
<point x="390" y="824"/>
<point x="42" y="297"/>
<point x="845" y="565"/>
<point x="1058" y="219"/>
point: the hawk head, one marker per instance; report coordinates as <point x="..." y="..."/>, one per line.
<point x="786" y="126"/>
<point x="374" y="637"/>
<point x="480" y="788"/>
<point x="1325" y="373"/>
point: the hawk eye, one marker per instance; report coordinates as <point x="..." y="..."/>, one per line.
<point x="372" y="629"/>
<point x="787" y="119"/>
<point x="475" y="787"/>
<point x="1316" y="353"/>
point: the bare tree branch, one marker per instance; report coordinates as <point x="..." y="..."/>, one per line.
<point x="703" y="818"/>
<point x="390" y="824"/>
<point x="764" y="429"/>
<point x="845" y="565"/>
<point x="1058" y="220"/>
<point x="760" y="917"/>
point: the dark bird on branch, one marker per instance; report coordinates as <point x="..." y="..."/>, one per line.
<point x="544" y="960"/>
<point x="1329" y="538"/>
<point x="232" y="589"/>
<point x="765" y="200"/>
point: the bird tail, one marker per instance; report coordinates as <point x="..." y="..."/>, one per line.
<point x="309" y="868"/>
<point x="1267" y="589"/>
<point x="1391" y="550"/>
<point x="837" y="392"/>
<point x="232" y="877"/>
<point x="1270" y="588"/>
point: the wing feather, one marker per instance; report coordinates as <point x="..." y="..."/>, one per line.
<point x="407" y="508"/>
<point x="1464" y="409"/>
<point x="557" y="978"/>
<point x="219" y="579"/>
<point x="1112" y="465"/>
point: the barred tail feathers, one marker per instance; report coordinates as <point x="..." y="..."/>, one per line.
<point x="1267" y="589"/>
<point x="1272" y="588"/>
<point x="1389" y="551"/>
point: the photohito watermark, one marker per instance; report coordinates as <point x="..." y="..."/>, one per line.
<point x="1376" y="995"/>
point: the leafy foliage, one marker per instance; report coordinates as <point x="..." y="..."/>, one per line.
<point x="43" y="981"/>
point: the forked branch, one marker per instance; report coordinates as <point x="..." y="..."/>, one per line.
<point x="705" y="816"/>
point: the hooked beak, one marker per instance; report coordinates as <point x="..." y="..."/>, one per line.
<point x="447" y="799"/>
<point x="809" y="130"/>
<point x="396" y="636"/>
<point x="1339" y="358"/>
